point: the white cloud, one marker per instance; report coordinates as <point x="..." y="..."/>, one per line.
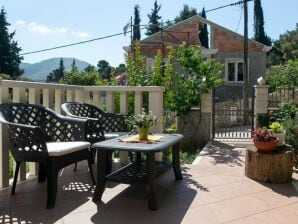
<point x="37" y="28"/>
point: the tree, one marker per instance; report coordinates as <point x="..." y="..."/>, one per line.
<point x="9" y="50"/>
<point x="57" y="74"/>
<point x="120" y="69"/>
<point x="203" y="35"/>
<point x="90" y="68"/>
<point x="104" y="69"/>
<point x="136" y="25"/>
<point x="285" y="48"/>
<point x="196" y="76"/>
<point x="75" y="77"/>
<point x="155" y="74"/>
<point x="260" y="34"/>
<point x="73" y="66"/>
<point x="154" y="25"/>
<point x="186" y="13"/>
<point x="136" y="67"/>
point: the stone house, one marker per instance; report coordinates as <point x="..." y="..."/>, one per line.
<point x="226" y="46"/>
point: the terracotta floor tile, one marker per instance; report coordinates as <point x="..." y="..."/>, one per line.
<point x="213" y="191"/>
<point x="221" y="212"/>
<point x="277" y="216"/>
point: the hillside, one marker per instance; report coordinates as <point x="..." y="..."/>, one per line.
<point x="40" y="70"/>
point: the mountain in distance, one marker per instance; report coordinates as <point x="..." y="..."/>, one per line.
<point x="40" y="70"/>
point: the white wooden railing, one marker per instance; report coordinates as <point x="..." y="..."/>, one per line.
<point x="53" y="95"/>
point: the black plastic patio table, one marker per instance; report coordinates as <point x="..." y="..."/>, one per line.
<point x="137" y="171"/>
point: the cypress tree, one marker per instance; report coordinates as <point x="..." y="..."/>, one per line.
<point x="57" y="74"/>
<point x="203" y="35"/>
<point x="136" y="25"/>
<point x="154" y="25"/>
<point x="260" y="34"/>
<point x="9" y="50"/>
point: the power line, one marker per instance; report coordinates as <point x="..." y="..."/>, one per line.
<point x="117" y="34"/>
<point x="236" y="30"/>
<point x="231" y="4"/>
<point x="73" y="44"/>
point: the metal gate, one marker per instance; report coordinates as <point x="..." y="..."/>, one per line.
<point x="229" y="114"/>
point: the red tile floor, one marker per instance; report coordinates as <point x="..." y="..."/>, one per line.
<point x="213" y="191"/>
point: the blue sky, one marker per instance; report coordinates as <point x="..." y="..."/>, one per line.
<point x="49" y="23"/>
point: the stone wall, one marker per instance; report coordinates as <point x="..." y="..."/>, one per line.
<point x="195" y="127"/>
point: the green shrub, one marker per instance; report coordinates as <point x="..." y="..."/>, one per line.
<point x="284" y="111"/>
<point x="291" y="127"/>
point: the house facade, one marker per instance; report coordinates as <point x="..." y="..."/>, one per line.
<point x="226" y="47"/>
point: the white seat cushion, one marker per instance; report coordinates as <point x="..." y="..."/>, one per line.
<point x="63" y="148"/>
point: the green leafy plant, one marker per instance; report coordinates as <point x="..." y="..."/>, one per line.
<point x="195" y="77"/>
<point x="276" y="127"/>
<point x="284" y="111"/>
<point x="143" y="120"/>
<point x="291" y="127"/>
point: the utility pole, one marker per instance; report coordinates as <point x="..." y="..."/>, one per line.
<point x="245" y="72"/>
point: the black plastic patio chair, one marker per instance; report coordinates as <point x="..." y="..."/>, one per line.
<point x="38" y="134"/>
<point x="113" y="124"/>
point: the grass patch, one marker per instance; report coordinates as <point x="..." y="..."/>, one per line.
<point x="187" y="156"/>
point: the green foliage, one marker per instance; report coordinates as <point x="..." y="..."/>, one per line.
<point x="155" y="74"/>
<point x="90" y="68"/>
<point x="4" y="76"/>
<point x="203" y="35"/>
<point x="58" y="73"/>
<point x="283" y="76"/>
<point x="263" y="120"/>
<point x="196" y="77"/>
<point x="291" y="127"/>
<point x="186" y="13"/>
<point x="154" y="25"/>
<point x="136" y="36"/>
<point x="120" y="69"/>
<point x="10" y="59"/>
<point x="75" y="77"/>
<point x="284" y="111"/>
<point x="260" y="34"/>
<point x="276" y="127"/>
<point x="104" y="69"/>
<point x="136" y="67"/>
<point x="143" y="120"/>
<point x="187" y="156"/>
<point x="285" y="48"/>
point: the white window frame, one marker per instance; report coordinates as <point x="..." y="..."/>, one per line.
<point x="235" y="61"/>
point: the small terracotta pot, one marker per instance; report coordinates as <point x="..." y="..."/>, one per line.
<point x="265" y="146"/>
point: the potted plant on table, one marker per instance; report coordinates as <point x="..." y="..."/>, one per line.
<point x="264" y="140"/>
<point x="278" y="132"/>
<point x="143" y="122"/>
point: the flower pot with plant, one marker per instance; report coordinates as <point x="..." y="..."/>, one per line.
<point x="278" y="132"/>
<point x="143" y="122"/>
<point x="264" y="140"/>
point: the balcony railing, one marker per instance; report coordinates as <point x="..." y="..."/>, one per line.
<point x="53" y="95"/>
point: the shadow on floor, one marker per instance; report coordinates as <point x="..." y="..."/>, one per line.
<point x="225" y="154"/>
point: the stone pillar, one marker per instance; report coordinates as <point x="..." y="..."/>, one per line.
<point x="124" y="111"/>
<point x="156" y="106"/>
<point x="4" y="143"/>
<point x="207" y="110"/>
<point x="261" y="103"/>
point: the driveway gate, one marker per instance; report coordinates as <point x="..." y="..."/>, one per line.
<point x="229" y="113"/>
